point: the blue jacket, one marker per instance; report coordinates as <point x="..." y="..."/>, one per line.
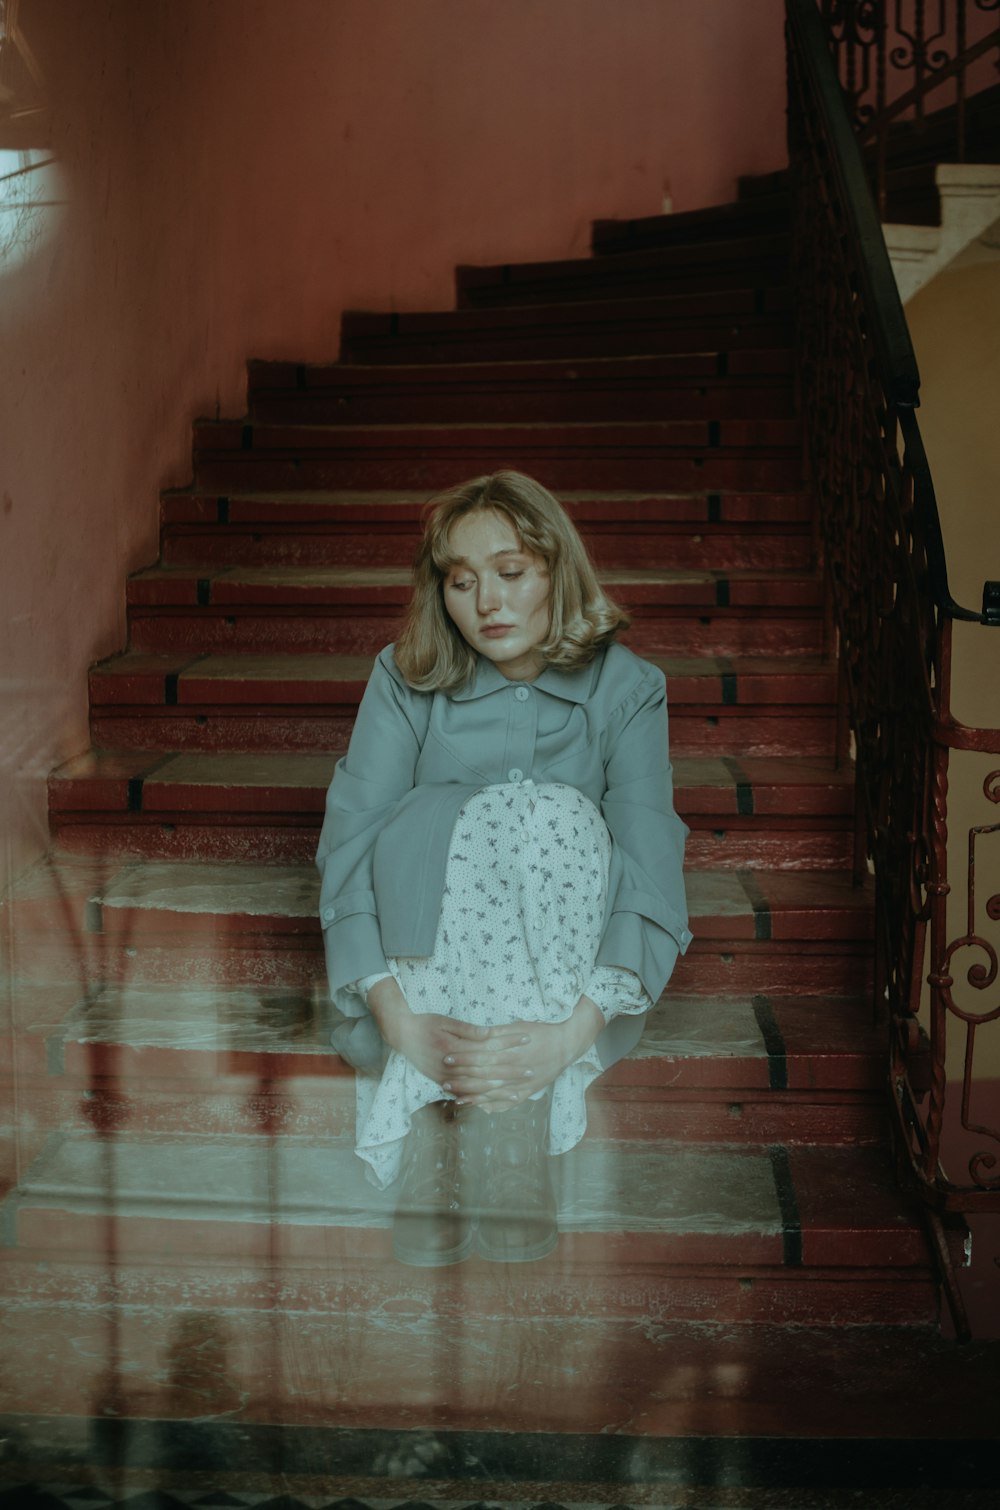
<point x="416" y="757"/>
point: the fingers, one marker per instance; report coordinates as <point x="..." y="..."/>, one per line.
<point x="466" y="1085"/>
<point x="471" y="1030"/>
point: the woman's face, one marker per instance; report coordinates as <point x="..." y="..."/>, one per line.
<point x="497" y="593"/>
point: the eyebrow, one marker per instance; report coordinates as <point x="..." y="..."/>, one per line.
<point x="515" y="551"/>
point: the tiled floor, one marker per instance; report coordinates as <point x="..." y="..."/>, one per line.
<point x="97" y="1465"/>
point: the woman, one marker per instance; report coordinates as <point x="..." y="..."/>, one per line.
<point x="502" y="899"/>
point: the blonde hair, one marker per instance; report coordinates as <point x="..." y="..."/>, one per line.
<point x="431" y="652"/>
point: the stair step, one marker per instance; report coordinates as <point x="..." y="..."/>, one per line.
<point x="781" y="705"/>
<point x="623" y="1206"/>
<point x="172" y="1059"/>
<point x="597" y="328"/>
<point x="795" y="814"/>
<point x="683" y="454"/>
<point x="208" y="923"/>
<point x="358" y="610"/>
<point x="750" y="261"/>
<point x="722" y="531"/>
<point x="359" y="588"/>
<point x="688" y="385"/>
<point x="744" y="216"/>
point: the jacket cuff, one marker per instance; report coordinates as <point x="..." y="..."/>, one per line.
<point x="641" y="946"/>
<point x="353" y="949"/>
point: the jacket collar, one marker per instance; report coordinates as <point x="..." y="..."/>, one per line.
<point x="573" y="686"/>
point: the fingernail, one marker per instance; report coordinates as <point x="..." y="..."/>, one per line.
<point x="525" y="1040"/>
<point x="446" y="1085"/>
<point x="528" y="1075"/>
<point x="448" y="1059"/>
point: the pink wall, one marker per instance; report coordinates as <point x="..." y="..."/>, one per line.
<point x="235" y="173"/>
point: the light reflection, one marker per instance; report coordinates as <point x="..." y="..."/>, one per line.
<point x="32" y="202"/>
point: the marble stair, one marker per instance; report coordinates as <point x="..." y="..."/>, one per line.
<point x="184" y="1142"/>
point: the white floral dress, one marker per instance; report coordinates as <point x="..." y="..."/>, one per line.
<point x="521" y="918"/>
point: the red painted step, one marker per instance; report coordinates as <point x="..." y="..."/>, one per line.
<point x="718" y="531"/>
<point x="337" y="609"/>
<point x="746" y="706"/>
<point x="685" y="386"/>
<point x="753" y="813"/>
<point x="621" y="327"/>
<point x="689" y="454"/>
<point x="692" y="268"/>
<point x="760" y="214"/>
<point x="172" y="1059"/>
<point x="659" y="1229"/>
<point x="203" y="924"/>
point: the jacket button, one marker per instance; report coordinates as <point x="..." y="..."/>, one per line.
<point x="329" y="913"/>
<point x="514" y="774"/>
<point x="522" y="694"/>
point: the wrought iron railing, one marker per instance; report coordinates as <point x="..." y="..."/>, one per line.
<point x="898" y="59"/>
<point x="890" y="601"/>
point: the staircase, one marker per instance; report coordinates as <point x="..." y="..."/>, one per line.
<point x="187" y="1146"/>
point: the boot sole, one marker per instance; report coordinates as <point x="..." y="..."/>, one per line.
<point x="418" y="1258"/>
<point x="498" y="1254"/>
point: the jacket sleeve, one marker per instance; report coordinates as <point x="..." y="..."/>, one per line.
<point x="646" y="922"/>
<point x="368" y="783"/>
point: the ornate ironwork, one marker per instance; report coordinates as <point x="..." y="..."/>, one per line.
<point x="890" y="601"/>
<point x="892" y="56"/>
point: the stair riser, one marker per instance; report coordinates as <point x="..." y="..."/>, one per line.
<point x="356" y="1373"/>
<point x="650" y="337"/>
<point x="573" y="404"/>
<point x="311" y="545"/>
<point x="706" y="733"/>
<point x="690" y="311"/>
<point x="365" y="633"/>
<point x="603" y="280"/>
<point x="176" y="836"/>
<point x="714" y="257"/>
<point x="244" y="470"/>
<point x="271" y="963"/>
<point x="158" y="1238"/>
<point x="751" y="217"/>
<point x="138" y="1100"/>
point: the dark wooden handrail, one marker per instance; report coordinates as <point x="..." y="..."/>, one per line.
<point x="899" y="373"/>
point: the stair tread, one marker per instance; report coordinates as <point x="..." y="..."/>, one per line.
<point x="627" y="506"/>
<point x="218" y="585"/>
<point x="308" y="378"/>
<point x="184" y="681"/>
<point x="749" y="243"/>
<point x="734" y="1198"/>
<point x="688" y="308"/>
<point x="721" y="219"/>
<point x="358" y="667"/>
<point x="235" y="782"/>
<point x="722" y="903"/>
<point x="250" y="439"/>
<point x="694" y="1041"/>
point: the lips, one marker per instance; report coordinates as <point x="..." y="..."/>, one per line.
<point x="494" y="631"/>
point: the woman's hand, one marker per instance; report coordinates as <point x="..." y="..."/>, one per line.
<point x="456" y="1055"/>
<point x="499" y="1073"/>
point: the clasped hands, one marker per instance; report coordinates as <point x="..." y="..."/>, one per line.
<point x="494" y="1068"/>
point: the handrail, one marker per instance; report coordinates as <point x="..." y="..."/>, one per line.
<point x="899" y="373"/>
<point x="887" y="584"/>
<point x="870" y="45"/>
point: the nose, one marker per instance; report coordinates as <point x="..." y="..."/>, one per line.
<point x="487" y="595"/>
